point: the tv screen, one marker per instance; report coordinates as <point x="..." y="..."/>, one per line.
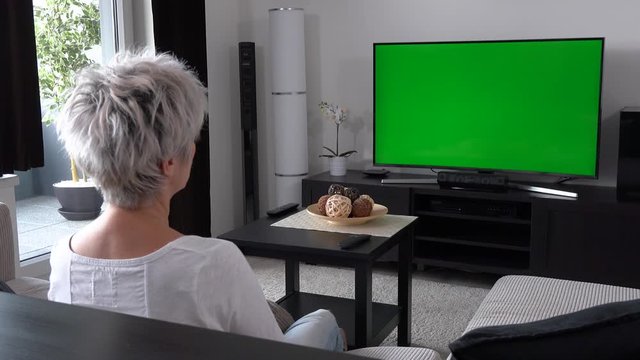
<point x="521" y="105"/>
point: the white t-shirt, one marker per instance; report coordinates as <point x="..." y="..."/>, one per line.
<point x="204" y="282"/>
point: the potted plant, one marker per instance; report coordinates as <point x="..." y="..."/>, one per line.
<point x="337" y="160"/>
<point x="66" y="30"/>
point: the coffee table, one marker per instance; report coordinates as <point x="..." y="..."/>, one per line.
<point x="367" y="323"/>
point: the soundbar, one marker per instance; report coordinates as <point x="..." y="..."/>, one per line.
<point x="449" y="179"/>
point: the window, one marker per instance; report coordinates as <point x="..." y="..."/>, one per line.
<point x="70" y="34"/>
<point x="122" y="24"/>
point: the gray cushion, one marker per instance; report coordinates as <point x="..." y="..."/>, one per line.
<point x="517" y="299"/>
<point x="32" y="287"/>
<point x="23" y="285"/>
<point x="399" y="353"/>
<point x="283" y="318"/>
<point x="7" y="261"/>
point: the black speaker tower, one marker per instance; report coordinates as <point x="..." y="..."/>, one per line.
<point x="629" y="154"/>
<point x="249" y="125"/>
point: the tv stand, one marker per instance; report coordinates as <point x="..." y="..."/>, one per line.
<point x="410" y="181"/>
<point x="590" y="238"/>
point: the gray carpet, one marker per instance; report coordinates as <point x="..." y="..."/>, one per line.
<point x="443" y="300"/>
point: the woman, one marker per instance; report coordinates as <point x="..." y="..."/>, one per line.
<point x="132" y="126"/>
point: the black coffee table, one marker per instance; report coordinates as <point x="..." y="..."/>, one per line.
<point x="366" y="323"/>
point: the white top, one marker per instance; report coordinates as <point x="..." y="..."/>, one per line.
<point x="204" y="282"/>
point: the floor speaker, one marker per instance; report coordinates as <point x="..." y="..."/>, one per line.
<point x="249" y="125"/>
<point x="289" y="102"/>
<point x="629" y="154"/>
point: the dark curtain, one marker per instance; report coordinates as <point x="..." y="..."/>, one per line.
<point x="179" y="28"/>
<point x="21" y="145"/>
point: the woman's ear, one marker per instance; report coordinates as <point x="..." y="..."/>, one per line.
<point x="168" y="167"/>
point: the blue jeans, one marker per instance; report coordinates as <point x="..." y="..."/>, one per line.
<point x="318" y="329"/>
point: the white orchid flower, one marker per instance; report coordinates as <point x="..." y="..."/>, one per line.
<point x="338" y="115"/>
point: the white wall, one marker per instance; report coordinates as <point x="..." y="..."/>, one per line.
<point x="224" y="115"/>
<point x="339" y="35"/>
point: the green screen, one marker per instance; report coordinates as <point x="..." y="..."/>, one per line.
<point x="530" y="105"/>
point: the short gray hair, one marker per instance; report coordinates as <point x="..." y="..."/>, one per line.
<point x="123" y="119"/>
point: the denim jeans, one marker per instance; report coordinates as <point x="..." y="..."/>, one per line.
<point x="318" y="329"/>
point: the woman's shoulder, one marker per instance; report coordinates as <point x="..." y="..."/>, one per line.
<point x="205" y="246"/>
<point x="206" y="256"/>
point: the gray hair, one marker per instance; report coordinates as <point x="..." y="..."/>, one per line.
<point x="123" y="119"/>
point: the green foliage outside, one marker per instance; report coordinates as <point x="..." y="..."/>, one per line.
<point x="65" y="31"/>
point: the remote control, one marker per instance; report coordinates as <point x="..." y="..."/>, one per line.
<point x="353" y="241"/>
<point x="281" y="210"/>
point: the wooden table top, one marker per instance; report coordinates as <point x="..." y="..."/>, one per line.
<point x="41" y="329"/>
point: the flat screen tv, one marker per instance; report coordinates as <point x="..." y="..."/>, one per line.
<point x="510" y="106"/>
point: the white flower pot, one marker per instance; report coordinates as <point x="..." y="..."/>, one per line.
<point x="338" y="166"/>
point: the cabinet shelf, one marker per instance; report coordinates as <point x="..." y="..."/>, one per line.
<point x="495" y="244"/>
<point x="471" y="257"/>
<point x="475" y="232"/>
<point x="466" y="265"/>
<point x="473" y="217"/>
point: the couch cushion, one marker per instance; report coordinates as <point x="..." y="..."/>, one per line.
<point x="601" y="332"/>
<point x="32" y="287"/>
<point x="396" y="353"/>
<point x="283" y="318"/>
<point x="518" y="299"/>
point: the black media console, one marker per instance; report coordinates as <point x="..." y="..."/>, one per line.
<point x="591" y="238"/>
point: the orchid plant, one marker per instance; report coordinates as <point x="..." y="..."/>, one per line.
<point x="338" y="115"/>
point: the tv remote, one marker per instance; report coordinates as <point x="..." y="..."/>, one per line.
<point x="281" y="210"/>
<point x="353" y="241"/>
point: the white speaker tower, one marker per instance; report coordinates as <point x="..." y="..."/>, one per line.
<point x="289" y="94"/>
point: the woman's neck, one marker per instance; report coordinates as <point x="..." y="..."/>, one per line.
<point x="121" y="233"/>
<point x="151" y="212"/>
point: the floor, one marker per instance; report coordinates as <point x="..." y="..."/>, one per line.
<point x="40" y="225"/>
<point x="443" y="300"/>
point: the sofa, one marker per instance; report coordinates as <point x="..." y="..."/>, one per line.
<point x="529" y="317"/>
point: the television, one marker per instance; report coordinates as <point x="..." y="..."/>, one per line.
<point x="529" y="106"/>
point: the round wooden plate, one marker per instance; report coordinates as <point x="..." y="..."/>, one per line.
<point x="377" y="211"/>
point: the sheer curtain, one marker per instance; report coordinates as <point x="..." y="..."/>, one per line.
<point x="21" y="146"/>
<point x="179" y="28"/>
